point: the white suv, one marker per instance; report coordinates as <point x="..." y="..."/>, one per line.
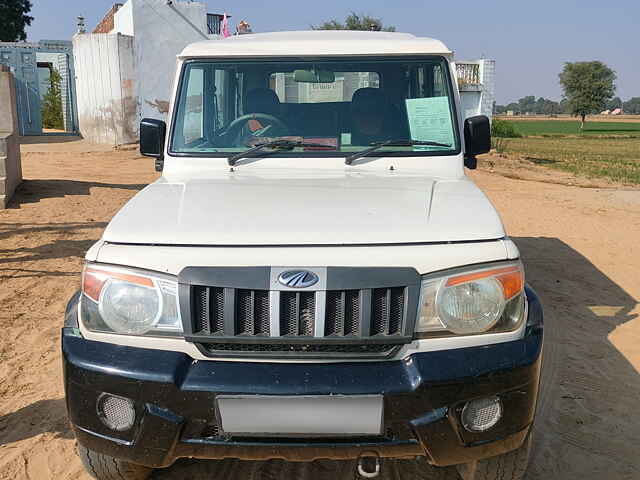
<point x="313" y="276"/>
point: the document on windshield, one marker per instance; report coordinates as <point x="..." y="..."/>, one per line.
<point x="430" y="119"/>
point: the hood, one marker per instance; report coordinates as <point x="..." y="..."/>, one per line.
<point x="306" y="209"/>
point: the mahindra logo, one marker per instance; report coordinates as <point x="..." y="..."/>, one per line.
<point x="297" y="278"/>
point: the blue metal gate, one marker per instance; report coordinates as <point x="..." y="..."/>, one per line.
<point x="22" y="59"/>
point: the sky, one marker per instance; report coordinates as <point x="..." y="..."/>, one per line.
<point x="530" y="40"/>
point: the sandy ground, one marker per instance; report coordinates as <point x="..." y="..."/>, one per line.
<point x="580" y="247"/>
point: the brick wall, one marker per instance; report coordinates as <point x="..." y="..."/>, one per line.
<point x="106" y="24"/>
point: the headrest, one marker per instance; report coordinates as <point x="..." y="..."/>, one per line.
<point x="262" y="100"/>
<point x="365" y="100"/>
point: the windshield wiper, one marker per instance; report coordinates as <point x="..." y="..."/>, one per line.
<point x="391" y="143"/>
<point x="278" y="144"/>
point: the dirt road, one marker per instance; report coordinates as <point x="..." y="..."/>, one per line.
<point x="580" y="247"/>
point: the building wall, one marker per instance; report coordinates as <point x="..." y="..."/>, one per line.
<point x="10" y="165"/>
<point x="488" y="78"/>
<point x="106" y="88"/>
<point x="123" y="20"/>
<point x="161" y="33"/>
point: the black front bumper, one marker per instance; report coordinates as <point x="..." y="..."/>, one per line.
<point x="423" y="394"/>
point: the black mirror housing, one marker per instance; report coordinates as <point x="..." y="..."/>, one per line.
<point x="152" y="136"/>
<point x="477" y="139"/>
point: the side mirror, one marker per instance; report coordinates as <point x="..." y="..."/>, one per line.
<point x="152" y="134"/>
<point x="477" y="139"/>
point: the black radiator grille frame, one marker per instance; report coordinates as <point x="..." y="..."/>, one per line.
<point x="376" y="311"/>
<point x="348" y="314"/>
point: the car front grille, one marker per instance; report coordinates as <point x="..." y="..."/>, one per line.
<point x="367" y="320"/>
<point x="297" y="312"/>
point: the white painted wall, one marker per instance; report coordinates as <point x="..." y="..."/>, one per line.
<point x="106" y="88"/>
<point x="123" y="20"/>
<point x="161" y="32"/>
<point x="488" y="79"/>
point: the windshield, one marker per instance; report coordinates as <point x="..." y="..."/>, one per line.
<point x="328" y="107"/>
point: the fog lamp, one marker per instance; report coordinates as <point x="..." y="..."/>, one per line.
<point x="117" y="413"/>
<point x="482" y="414"/>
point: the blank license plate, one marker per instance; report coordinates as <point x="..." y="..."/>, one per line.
<point x="257" y="415"/>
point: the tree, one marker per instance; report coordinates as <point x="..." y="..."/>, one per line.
<point x="632" y="106"/>
<point x="587" y="87"/>
<point x="14" y="19"/>
<point x="513" y="107"/>
<point x="527" y="104"/>
<point x="52" y="103"/>
<point x="564" y="106"/>
<point x="355" y="21"/>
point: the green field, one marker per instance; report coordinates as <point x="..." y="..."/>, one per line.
<point x="616" y="159"/>
<point x="572" y="127"/>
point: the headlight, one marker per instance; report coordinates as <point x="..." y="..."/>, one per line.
<point x="121" y="301"/>
<point x="473" y="301"/>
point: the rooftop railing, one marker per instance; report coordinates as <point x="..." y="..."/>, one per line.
<point x="468" y="73"/>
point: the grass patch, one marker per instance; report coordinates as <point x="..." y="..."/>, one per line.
<point x="614" y="159"/>
<point x="572" y="127"/>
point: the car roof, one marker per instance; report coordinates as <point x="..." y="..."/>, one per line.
<point x="316" y="43"/>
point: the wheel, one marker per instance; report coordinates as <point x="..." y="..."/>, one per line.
<point x="104" y="467"/>
<point x="508" y="466"/>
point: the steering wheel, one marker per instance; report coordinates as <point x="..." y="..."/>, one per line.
<point x="232" y="129"/>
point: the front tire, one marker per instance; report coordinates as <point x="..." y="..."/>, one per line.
<point x="508" y="466"/>
<point x="104" y="467"/>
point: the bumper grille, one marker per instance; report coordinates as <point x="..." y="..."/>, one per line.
<point x="376" y="348"/>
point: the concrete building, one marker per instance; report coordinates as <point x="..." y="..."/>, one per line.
<point x="126" y="68"/>
<point x="477" y="85"/>
<point x="126" y="73"/>
<point x="10" y="166"/>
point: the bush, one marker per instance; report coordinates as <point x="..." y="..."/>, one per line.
<point x="503" y="129"/>
<point x="499" y="144"/>
<point x="52" y="104"/>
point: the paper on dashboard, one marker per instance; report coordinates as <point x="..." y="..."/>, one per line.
<point x="430" y="120"/>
